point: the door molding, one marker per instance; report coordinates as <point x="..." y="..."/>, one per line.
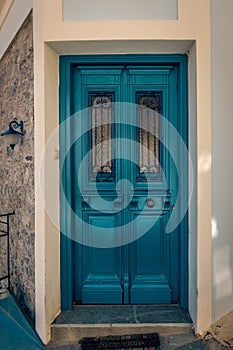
<point x="66" y="64"/>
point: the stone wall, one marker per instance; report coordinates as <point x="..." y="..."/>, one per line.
<point x="17" y="166"/>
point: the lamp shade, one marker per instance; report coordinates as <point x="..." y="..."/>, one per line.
<point x="12" y="139"/>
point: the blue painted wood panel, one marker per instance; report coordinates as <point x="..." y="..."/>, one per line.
<point x="150" y="259"/>
<point x="147" y="270"/>
<point x="101" y="267"/>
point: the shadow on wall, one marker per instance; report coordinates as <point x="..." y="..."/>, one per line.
<point x="222" y="273"/>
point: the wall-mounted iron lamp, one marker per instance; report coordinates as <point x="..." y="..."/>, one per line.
<point x="12" y="135"/>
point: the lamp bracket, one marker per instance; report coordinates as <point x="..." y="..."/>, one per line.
<point x="14" y="124"/>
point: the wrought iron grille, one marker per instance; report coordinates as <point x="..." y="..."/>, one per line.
<point x="101" y="118"/>
<point x="5" y="233"/>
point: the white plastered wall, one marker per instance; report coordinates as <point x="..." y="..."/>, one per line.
<point x="124" y="37"/>
<point x="222" y="165"/>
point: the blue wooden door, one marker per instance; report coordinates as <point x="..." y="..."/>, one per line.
<point x="126" y="185"/>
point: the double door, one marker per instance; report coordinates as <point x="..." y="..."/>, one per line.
<point x="124" y="184"/>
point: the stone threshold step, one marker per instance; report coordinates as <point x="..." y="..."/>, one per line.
<point x="125" y="314"/>
<point x="72" y="333"/>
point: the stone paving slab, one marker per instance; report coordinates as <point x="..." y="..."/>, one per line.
<point x="195" y="345"/>
<point x="108" y="314"/>
<point x="185" y="341"/>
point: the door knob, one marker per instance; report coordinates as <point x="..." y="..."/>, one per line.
<point x="150" y="203"/>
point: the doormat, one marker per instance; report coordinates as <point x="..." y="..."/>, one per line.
<point x="148" y="341"/>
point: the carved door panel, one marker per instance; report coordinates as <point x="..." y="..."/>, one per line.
<point x="127" y="180"/>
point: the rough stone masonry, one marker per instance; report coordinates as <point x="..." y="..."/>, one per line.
<point x="17" y="166"/>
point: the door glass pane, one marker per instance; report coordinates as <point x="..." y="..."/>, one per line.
<point x="100" y="137"/>
<point x="149" y="152"/>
